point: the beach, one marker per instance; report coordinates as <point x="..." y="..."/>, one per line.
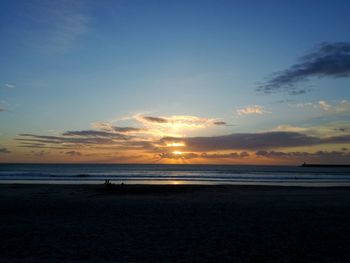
<point x="173" y="223"/>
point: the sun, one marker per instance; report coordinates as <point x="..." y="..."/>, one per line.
<point x="177" y="152"/>
<point x="175" y="144"/>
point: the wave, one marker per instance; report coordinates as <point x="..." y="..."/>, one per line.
<point x="165" y="173"/>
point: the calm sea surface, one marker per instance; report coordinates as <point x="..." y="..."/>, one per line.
<point x="175" y="174"/>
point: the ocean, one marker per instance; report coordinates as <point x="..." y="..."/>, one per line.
<point x="174" y="174"/>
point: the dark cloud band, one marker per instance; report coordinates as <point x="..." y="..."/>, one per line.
<point x="233" y="155"/>
<point x="255" y="141"/>
<point x="155" y="119"/>
<point x="4" y="151"/>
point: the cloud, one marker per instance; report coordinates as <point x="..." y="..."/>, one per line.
<point x="66" y="141"/>
<point x="219" y="123"/>
<point x="2" y="109"/>
<point x="35" y="145"/>
<point x="307" y="104"/>
<point x="342" y="107"/>
<point x="335" y="108"/>
<point x="95" y="134"/>
<point x="322" y="130"/>
<point x="155" y="119"/>
<point x="328" y="60"/>
<point x="254" y="141"/>
<point x="298" y="92"/>
<point x="255" y="109"/>
<point x="116" y="137"/>
<point x="159" y="126"/>
<point x="233" y="155"/>
<point x="39" y="153"/>
<point x="290" y="128"/>
<point x="191" y="155"/>
<point x="111" y="128"/>
<point x="57" y="25"/>
<point x="11" y="86"/>
<point x="334" y="156"/>
<point x="127" y="129"/>
<point x="182" y="121"/>
<point x="4" y="150"/>
<point x="157" y="137"/>
<point x="73" y="153"/>
<point x="324" y="105"/>
<point x="177" y="125"/>
<point x="73" y="143"/>
<point x="87" y="139"/>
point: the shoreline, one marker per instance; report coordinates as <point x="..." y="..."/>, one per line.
<point x="178" y="183"/>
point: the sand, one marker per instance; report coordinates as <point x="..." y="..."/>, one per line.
<point x="87" y="223"/>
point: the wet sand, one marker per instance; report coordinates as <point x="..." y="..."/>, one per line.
<point x="89" y="223"/>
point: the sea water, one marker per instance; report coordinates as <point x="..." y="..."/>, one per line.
<point x="175" y="174"/>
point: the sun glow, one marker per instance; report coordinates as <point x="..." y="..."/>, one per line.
<point x="175" y="144"/>
<point x="177" y="152"/>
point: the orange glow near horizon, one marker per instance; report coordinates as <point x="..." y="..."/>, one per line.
<point x="175" y="144"/>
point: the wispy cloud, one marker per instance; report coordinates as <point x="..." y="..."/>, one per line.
<point x="118" y="129"/>
<point x="10" y="86"/>
<point x="40" y="153"/>
<point x="58" y="25"/>
<point x="75" y="138"/>
<point x="219" y="123"/>
<point x="324" y="105"/>
<point x="339" y="107"/>
<point x="255" y="109"/>
<point x="180" y="120"/>
<point x="343" y="106"/>
<point x="95" y="134"/>
<point x="73" y="153"/>
<point x="155" y="119"/>
<point x="328" y="60"/>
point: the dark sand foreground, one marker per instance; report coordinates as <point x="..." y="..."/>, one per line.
<point x="77" y="223"/>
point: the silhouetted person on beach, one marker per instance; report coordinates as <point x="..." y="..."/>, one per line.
<point x="108" y="184"/>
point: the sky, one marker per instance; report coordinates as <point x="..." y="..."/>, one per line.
<point x="217" y="82"/>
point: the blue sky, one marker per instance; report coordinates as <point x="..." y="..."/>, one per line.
<point x="68" y="64"/>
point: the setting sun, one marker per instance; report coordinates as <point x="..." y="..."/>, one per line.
<point x="176" y="144"/>
<point x="177" y="152"/>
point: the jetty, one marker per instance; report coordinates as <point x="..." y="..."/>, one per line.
<point x="324" y="165"/>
